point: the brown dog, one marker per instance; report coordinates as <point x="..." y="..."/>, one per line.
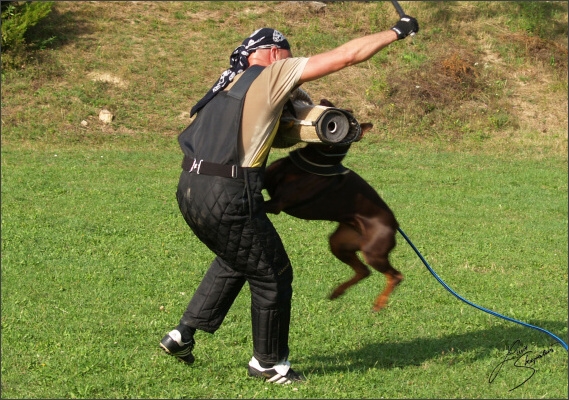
<point x="332" y="192"/>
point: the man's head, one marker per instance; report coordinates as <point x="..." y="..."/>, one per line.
<point x="263" y="47"/>
<point x="265" y="38"/>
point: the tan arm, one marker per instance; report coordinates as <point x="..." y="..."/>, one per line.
<point x="353" y="52"/>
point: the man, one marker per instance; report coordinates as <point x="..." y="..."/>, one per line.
<point x="219" y="192"/>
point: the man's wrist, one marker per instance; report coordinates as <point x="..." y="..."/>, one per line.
<point x="391" y="35"/>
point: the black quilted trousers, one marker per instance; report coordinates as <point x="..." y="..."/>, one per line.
<point x="228" y="216"/>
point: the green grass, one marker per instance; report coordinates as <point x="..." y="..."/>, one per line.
<point x="469" y="149"/>
<point x="97" y="265"/>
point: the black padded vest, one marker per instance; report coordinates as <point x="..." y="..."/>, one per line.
<point x="213" y="136"/>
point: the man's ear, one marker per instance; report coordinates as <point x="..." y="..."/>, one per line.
<point x="274" y="52"/>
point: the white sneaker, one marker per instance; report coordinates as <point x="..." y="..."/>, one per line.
<point x="280" y="373"/>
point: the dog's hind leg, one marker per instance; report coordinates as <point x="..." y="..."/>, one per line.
<point x="378" y="242"/>
<point x="344" y="244"/>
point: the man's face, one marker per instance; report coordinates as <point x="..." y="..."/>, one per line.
<point x="285" y="54"/>
<point x="269" y="56"/>
<point x="279" y="54"/>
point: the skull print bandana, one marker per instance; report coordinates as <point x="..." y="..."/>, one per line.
<point x="263" y="38"/>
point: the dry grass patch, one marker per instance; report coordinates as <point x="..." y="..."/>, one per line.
<point x="466" y="77"/>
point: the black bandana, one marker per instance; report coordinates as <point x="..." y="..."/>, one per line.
<point x="263" y="38"/>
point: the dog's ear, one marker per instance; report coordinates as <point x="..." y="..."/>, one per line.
<point x="326" y="103"/>
<point x="366" y="126"/>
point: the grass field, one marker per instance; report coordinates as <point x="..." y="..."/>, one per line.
<point x="97" y="263"/>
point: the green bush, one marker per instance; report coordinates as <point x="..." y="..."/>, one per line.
<point x="17" y="18"/>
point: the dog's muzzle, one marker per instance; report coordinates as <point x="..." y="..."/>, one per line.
<point x="317" y="124"/>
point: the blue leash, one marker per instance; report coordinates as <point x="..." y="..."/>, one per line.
<point x="472" y="304"/>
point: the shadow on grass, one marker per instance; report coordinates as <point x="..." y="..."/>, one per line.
<point x="478" y="344"/>
<point x="61" y="28"/>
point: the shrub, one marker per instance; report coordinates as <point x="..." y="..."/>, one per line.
<point x="17" y="18"/>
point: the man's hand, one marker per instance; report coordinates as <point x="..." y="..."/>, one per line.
<point x="406" y="26"/>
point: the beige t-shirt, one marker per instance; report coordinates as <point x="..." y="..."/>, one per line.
<point x="263" y="106"/>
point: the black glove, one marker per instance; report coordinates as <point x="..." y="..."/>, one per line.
<point x="405" y="26"/>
